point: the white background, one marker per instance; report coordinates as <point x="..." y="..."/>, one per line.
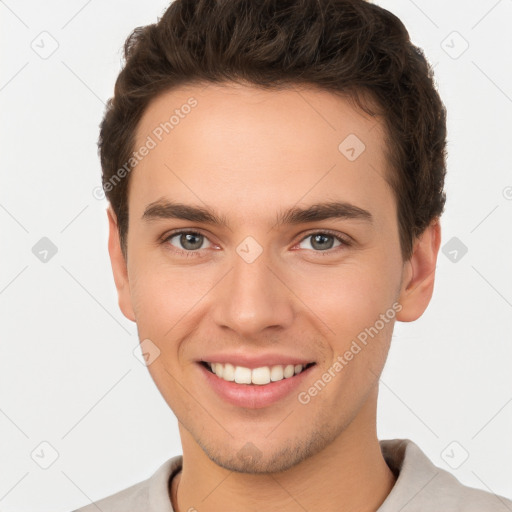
<point x="68" y="375"/>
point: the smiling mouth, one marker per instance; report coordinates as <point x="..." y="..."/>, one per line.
<point x="256" y="376"/>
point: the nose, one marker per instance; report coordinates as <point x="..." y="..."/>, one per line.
<point x="252" y="298"/>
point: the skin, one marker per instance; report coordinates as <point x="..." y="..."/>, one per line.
<point x="249" y="154"/>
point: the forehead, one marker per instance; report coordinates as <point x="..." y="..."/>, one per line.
<point x="248" y="149"/>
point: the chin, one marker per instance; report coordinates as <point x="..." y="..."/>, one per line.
<point x="250" y="459"/>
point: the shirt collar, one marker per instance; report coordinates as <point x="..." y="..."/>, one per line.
<point x="415" y="474"/>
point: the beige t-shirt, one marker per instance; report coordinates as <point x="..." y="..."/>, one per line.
<point x="420" y="487"/>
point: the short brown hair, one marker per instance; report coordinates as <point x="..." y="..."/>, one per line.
<point x="351" y="47"/>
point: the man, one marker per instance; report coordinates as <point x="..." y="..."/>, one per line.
<point x="275" y="175"/>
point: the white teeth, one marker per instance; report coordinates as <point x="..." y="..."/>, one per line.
<point x="276" y="373"/>
<point x="242" y="375"/>
<point x="228" y="373"/>
<point x="289" y="370"/>
<point x="260" y="376"/>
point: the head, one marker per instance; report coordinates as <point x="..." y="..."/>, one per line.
<point x="244" y="125"/>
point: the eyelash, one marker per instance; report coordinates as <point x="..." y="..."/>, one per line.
<point x="344" y="241"/>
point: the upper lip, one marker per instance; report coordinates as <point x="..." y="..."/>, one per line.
<point x="256" y="361"/>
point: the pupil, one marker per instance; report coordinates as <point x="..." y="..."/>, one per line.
<point x="316" y="238"/>
<point x="187" y="239"/>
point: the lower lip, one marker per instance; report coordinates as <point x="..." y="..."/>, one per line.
<point x="253" y="396"/>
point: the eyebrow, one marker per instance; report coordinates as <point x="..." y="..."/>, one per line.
<point x="164" y="209"/>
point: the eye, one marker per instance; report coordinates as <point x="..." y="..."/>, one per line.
<point x="188" y="241"/>
<point x="322" y="241"/>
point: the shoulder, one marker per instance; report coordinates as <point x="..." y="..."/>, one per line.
<point x="150" y="494"/>
<point x="423" y="487"/>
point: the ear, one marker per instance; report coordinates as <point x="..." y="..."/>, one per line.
<point x="419" y="274"/>
<point x="119" y="267"/>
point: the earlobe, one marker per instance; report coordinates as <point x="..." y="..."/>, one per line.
<point x="418" y="284"/>
<point x="119" y="267"/>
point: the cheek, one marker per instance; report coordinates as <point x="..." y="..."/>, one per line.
<point x="347" y="298"/>
<point x="163" y="295"/>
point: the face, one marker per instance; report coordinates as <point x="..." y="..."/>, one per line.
<point x="246" y="273"/>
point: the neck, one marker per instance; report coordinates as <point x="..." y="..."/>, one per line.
<point x="349" y="474"/>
